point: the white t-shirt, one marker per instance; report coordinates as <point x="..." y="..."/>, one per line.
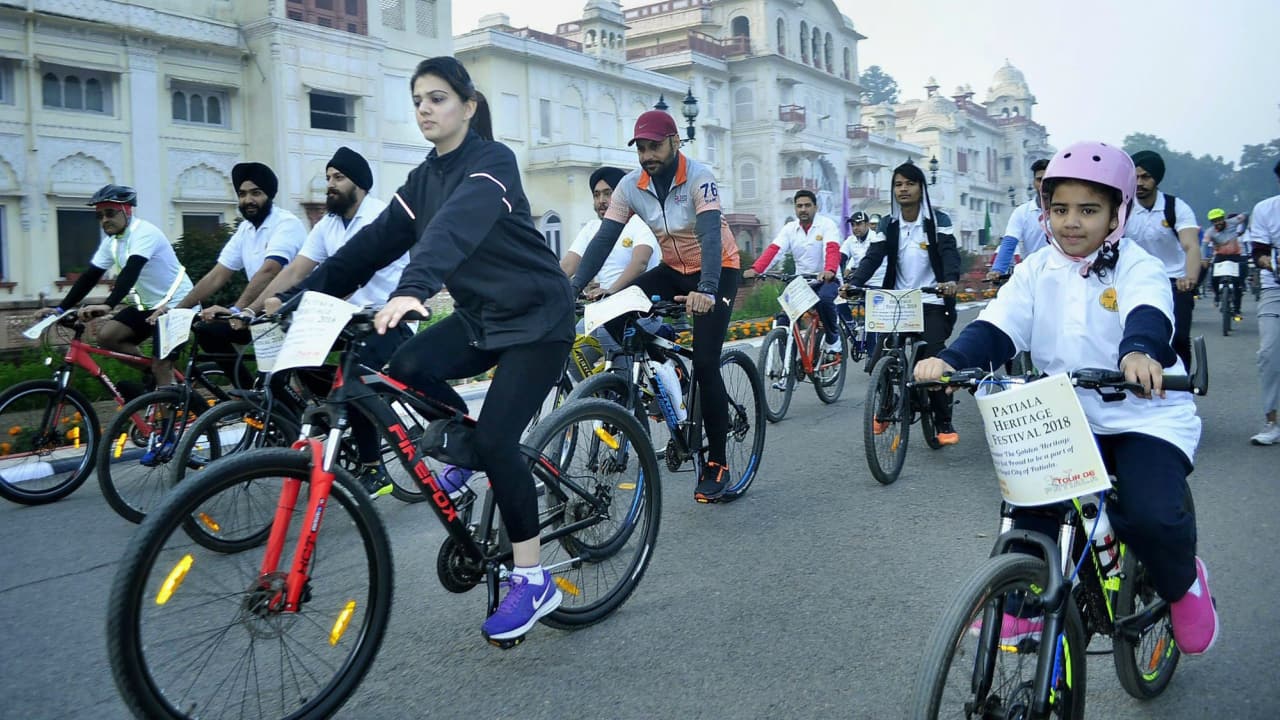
<point x="857" y="249"/>
<point x="634" y="234"/>
<point x="162" y="278"/>
<point x="1151" y="231"/>
<point x="329" y="235"/>
<point x="1264" y="228"/>
<point x="281" y="235"/>
<point x="807" y="247"/>
<point x="914" y="270"/>
<point x="1069" y="322"/>
<point x="1024" y="224"/>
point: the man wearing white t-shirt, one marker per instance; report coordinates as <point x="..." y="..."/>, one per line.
<point x="855" y="247"/>
<point x="1025" y="228"/>
<point x="147" y="271"/>
<point x="1264" y="237"/>
<point x="635" y="252"/>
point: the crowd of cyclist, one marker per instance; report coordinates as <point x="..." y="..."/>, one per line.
<point x="1098" y="224"/>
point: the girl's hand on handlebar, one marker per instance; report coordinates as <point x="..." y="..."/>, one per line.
<point x="1141" y="369"/>
<point x="395" y="309"/>
<point x="697" y="303"/>
<point x="931" y="369"/>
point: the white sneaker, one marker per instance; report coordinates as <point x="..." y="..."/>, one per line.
<point x="833" y="347"/>
<point x="1270" y="435"/>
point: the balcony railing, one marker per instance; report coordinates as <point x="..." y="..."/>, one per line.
<point x="737" y="45"/>
<point x="857" y="132"/>
<point x="863" y="193"/>
<point x="694" y="41"/>
<point x="791" y="113"/>
<point x="798" y="183"/>
<point x="548" y="38"/>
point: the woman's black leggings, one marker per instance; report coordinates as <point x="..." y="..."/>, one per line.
<point x="524" y="376"/>
<point x="708" y="340"/>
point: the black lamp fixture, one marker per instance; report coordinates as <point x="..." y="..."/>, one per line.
<point x="933" y="170"/>
<point x="661" y="104"/>
<point x="689" y="108"/>
<point x="1013" y="196"/>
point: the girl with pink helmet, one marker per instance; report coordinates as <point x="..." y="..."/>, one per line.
<point x="1099" y="300"/>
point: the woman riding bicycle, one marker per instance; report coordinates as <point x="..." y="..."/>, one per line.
<point x="1099" y="300"/>
<point x="679" y="200"/>
<point x="464" y="216"/>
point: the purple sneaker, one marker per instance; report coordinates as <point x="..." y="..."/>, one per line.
<point x="523" y="606"/>
<point x="453" y="478"/>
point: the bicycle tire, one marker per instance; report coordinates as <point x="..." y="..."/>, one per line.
<point x="144" y="635"/>
<point x="1228" y="298"/>
<point x="773" y="352"/>
<point x="20" y="470"/>
<point x="1144" y="670"/>
<point x="747" y="419"/>
<point x="614" y="388"/>
<point x="130" y="488"/>
<point x="927" y="426"/>
<point x="885" y="397"/>
<point x="990" y="587"/>
<point x="582" y="562"/>
<point x="828" y="380"/>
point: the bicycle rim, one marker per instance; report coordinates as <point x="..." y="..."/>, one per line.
<point x="48" y="440"/>
<point x="828" y="377"/>
<point x="744" y="445"/>
<point x="885" y="428"/>
<point x="191" y="632"/>
<point x="779" y="382"/>
<point x="1146" y="667"/>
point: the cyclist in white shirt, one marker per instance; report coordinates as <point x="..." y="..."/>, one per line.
<point x="1264" y="237"/>
<point x="635" y="252"/>
<point x="855" y="247"/>
<point x="147" y="272"/>
<point x="813" y="241"/>
<point x="1024" y="229"/>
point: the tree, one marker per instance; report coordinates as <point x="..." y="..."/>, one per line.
<point x="878" y="86"/>
<point x="198" y="253"/>
<point x="1210" y="182"/>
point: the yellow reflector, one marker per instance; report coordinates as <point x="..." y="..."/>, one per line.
<point x="211" y="401"/>
<point x="118" y="448"/>
<point x="209" y="522"/>
<point x="175" y="578"/>
<point x="897" y="439"/>
<point x="1154" y="661"/>
<point x="74" y="436"/>
<point x="1009" y="649"/>
<point x="340" y="625"/>
<point x="567" y="585"/>
<point x="607" y="438"/>
<point x="627" y="486"/>
<point x="253" y="422"/>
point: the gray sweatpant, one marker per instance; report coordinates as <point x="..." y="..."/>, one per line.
<point x="1269" y="348"/>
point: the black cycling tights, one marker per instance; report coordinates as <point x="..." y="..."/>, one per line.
<point x="524" y="376"/>
<point x="708" y="340"/>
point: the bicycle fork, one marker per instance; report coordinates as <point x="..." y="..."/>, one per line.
<point x="288" y="598"/>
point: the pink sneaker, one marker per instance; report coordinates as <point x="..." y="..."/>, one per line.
<point x="1013" y="629"/>
<point x="1194" y="617"/>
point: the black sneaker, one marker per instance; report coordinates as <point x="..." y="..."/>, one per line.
<point x="375" y="480"/>
<point x="712" y="482"/>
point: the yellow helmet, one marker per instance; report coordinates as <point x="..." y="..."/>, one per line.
<point x="1217" y="214"/>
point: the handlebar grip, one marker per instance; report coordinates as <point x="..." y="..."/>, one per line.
<point x="415" y="316"/>
<point x="1178" y="382"/>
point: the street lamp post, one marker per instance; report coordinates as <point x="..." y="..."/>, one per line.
<point x="933" y="170"/>
<point x="689" y="108"/>
<point x="1013" y="197"/>
<point x="661" y="104"/>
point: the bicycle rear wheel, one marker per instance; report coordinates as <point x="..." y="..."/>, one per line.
<point x="981" y="658"/>
<point x="744" y="445"/>
<point x="194" y="633"/>
<point x="617" y="501"/>
<point x="829" y="374"/>
<point x="1228" y="299"/>
<point x="779" y="380"/>
<point x="48" y="442"/>
<point x="133" y="464"/>
<point x="885" y="421"/>
<point x="1146" y="667"/>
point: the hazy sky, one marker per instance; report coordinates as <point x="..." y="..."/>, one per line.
<point x="1205" y="76"/>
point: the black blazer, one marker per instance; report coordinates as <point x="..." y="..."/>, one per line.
<point x="944" y="257"/>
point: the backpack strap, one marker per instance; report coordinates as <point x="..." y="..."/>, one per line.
<point x="1171" y="213"/>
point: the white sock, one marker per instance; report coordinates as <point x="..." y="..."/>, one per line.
<point x="532" y="574"/>
<point x="1195" y="588"/>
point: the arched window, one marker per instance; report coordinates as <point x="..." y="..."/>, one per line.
<point x="782" y="36"/>
<point x="52" y="90"/>
<point x="804" y="41"/>
<point x="744" y="105"/>
<point x="213" y="115"/>
<point x="817" y="48"/>
<point x="591" y="38"/>
<point x="551" y="231"/>
<point x="740" y="27"/>
<point x="72" y="95"/>
<point x="827" y="52"/>
<point x="179" y="105"/>
<point x="747" y="181"/>
<point x="848" y="69"/>
<point x="197" y="109"/>
<point x="1016" y="112"/>
<point x="93" y="95"/>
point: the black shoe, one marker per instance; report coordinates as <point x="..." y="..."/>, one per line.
<point x="375" y="480"/>
<point x="712" y="482"/>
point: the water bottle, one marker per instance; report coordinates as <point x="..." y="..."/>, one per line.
<point x="669" y="383"/>
<point x="1104" y="541"/>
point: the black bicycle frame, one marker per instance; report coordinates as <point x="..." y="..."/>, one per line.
<point x="638" y="342"/>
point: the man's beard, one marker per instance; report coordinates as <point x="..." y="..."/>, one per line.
<point x="263" y="211"/>
<point x="339" y="203"/>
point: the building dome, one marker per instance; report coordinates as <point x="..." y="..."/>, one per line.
<point x="935" y="111"/>
<point x="1008" y="83"/>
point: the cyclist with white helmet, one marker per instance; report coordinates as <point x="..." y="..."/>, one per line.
<point x="1097" y="299"/>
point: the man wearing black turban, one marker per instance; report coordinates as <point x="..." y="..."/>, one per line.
<point x="1166" y="227"/>
<point x="635" y="251"/>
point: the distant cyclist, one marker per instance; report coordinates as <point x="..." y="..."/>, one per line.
<point x="1224" y="234"/>
<point x="854" y="247"/>
<point x="1025" y="229"/>
<point x="635" y="252"/>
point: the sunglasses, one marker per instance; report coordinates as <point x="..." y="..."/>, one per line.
<point x="107" y="213"/>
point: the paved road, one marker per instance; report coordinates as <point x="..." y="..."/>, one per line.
<point x="810" y="598"/>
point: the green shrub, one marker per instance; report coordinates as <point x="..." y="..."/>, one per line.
<point x="761" y="301"/>
<point x="198" y="252"/>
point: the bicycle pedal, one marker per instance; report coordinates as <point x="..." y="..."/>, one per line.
<point x="505" y="644"/>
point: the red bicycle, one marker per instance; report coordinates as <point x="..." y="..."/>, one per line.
<point x="49" y="431"/>
<point x="791" y="354"/>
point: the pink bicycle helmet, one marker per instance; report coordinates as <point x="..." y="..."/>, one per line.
<point x="1100" y="163"/>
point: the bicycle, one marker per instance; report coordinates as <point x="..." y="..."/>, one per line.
<point x="52" y="429"/>
<point x="1226" y="273"/>
<point x="789" y="354"/>
<point x="974" y="667"/>
<point x="892" y="406"/>
<point x="253" y="630"/>
<point x="637" y="385"/>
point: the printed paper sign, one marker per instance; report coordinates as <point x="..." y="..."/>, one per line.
<point x="314" y="327"/>
<point x="1041" y="444"/>
<point x="267" y="340"/>
<point x="797" y="298"/>
<point x="33" y="332"/>
<point x="632" y="299"/>
<point x="895" y="311"/>
<point x="1226" y="268"/>
<point x="174" y="328"/>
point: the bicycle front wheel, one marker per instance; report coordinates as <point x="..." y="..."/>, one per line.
<point x="1145" y="667"/>
<point x="980" y="661"/>
<point x="48" y="442"/>
<point x="885" y="421"/>
<point x="744" y="445"/>
<point x="133" y="464"/>
<point x="1228" y="298"/>
<point x="779" y="381"/>
<point x="603" y="500"/>
<point x="196" y="633"/>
